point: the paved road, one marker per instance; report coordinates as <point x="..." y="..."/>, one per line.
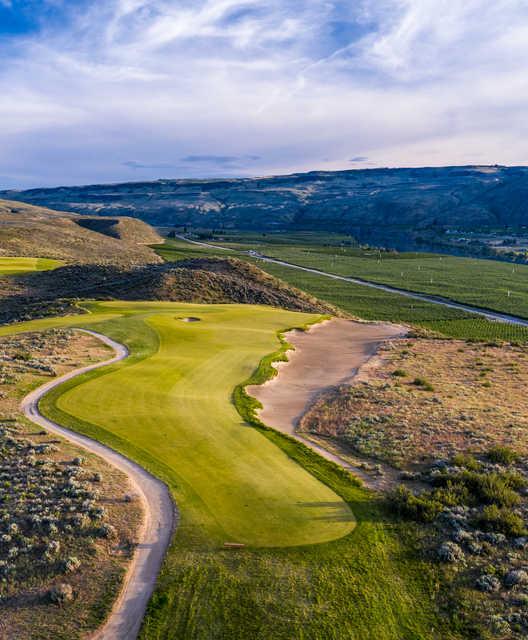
<point x="490" y="315"/>
<point x="160" y="516"/>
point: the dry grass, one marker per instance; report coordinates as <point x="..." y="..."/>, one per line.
<point x="424" y="399"/>
<point x="25" y="609"/>
<point x="37" y="232"/>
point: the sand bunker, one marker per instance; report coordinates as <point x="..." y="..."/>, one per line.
<point x="190" y="319"/>
<point x="330" y="353"/>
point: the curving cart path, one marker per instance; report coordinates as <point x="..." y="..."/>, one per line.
<point x="159" y="520"/>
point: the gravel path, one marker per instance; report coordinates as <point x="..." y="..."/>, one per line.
<point x="160" y="515"/>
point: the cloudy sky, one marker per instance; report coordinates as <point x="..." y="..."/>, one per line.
<point x="111" y="90"/>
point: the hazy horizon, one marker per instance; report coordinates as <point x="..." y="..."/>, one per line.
<point x="252" y="177"/>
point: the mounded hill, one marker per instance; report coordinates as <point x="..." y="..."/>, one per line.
<point x="207" y="280"/>
<point x="27" y="230"/>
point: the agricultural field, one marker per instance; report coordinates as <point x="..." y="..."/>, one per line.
<point x="489" y="284"/>
<point x="323" y="556"/>
<point x="368" y="303"/>
<point x="18" y="266"/>
<point x="67" y="528"/>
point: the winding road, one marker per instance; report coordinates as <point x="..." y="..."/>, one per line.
<point x="160" y="515"/>
<point x="444" y="302"/>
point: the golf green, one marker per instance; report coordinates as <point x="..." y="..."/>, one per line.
<point x="170" y="402"/>
<point x="16" y="266"/>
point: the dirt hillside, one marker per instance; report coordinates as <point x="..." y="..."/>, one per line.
<point x="211" y="281"/>
<point x="26" y="230"/>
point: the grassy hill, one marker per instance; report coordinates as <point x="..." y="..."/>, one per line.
<point x="212" y="280"/>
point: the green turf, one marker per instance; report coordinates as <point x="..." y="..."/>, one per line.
<point x="174" y="250"/>
<point x="17" y="266"/>
<point x="169" y="407"/>
<point x="176" y="405"/>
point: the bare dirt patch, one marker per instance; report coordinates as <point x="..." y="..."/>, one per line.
<point x="425" y="399"/>
<point x="76" y="517"/>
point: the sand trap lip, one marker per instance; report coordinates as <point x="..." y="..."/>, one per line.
<point x="190" y="319"/>
<point x="328" y="354"/>
<point x="160" y="515"/>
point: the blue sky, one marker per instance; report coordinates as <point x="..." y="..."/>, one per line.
<point x="115" y="90"/>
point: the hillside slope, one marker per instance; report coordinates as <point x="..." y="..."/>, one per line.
<point x="208" y="280"/>
<point x="361" y="202"/>
<point x="27" y="230"/>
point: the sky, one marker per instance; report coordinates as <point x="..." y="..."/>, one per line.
<point x="126" y="90"/>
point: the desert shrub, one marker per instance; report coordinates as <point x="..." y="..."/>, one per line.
<point x="502" y="455"/>
<point x="107" y="531"/>
<point x="61" y="594"/>
<point x="53" y="547"/>
<point x="467" y="461"/>
<point x="450" y="552"/>
<point x="399" y="373"/>
<point x="424" y="508"/>
<point x="486" y="488"/>
<point x="492" y="488"/>
<point x="488" y="583"/>
<point x="71" y="564"/>
<point x="451" y="495"/>
<point x="501" y="519"/>
<point x="516" y="577"/>
<point x="423" y="384"/>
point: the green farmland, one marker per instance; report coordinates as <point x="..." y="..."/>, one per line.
<point x="490" y="284"/>
<point x="361" y="301"/>
<point x="323" y="558"/>
<point x="17" y="266"/>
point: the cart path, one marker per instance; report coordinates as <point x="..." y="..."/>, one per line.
<point x="159" y="511"/>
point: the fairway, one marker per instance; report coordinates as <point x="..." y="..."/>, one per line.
<point x="17" y="266"/>
<point x="324" y="559"/>
<point x="173" y="401"/>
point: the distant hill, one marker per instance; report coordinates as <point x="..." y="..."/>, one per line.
<point x="370" y="204"/>
<point x="27" y="230"/>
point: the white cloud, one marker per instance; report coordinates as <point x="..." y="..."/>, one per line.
<point x="292" y="81"/>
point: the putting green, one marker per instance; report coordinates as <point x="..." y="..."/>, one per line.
<point x="15" y="266"/>
<point x="170" y="403"/>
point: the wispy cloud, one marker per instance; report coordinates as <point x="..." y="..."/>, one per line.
<point x="219" y="160"/>
<point x="132" y="164"/>
<point x="218" y="87"/>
